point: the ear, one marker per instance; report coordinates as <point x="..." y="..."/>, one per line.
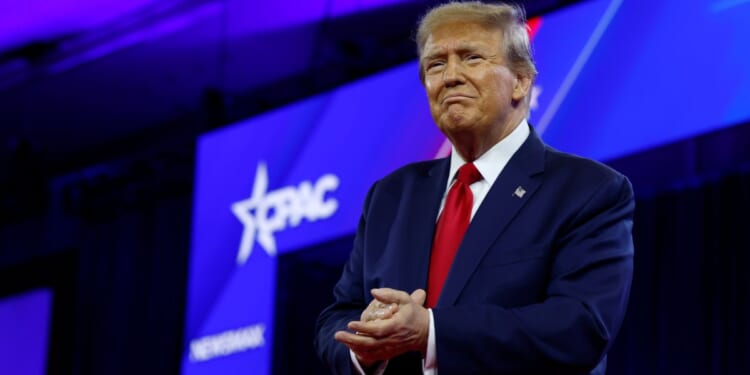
<point x="521" y="87"/>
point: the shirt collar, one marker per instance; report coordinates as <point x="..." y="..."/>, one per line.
<point x="492" y="162"/>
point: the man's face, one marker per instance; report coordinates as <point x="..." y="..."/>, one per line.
<point x="469" y="87"/>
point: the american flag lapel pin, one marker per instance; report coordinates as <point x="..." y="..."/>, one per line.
<point x="520" y="191"/>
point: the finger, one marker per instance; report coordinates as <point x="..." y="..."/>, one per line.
<point x="370" y="348"/>
<point x="353" y="340"/>
<point x="373" y="328"/>
<point x="384" y="312"/>
<point x="367" y="349"/>
<point x="388" y="295"/>
<point x="378" y="310"/>
<point x="384" y="306"/>
<point x="367" y="312"/>
<point x="377" y="314"/>
<point x="419" y="296"/>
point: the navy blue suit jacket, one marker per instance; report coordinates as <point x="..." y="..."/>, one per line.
<point x="539" y="284"/>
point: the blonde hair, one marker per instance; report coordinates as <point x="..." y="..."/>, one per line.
<point x="509" y="19"/>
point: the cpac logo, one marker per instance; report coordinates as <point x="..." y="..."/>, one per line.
<point x="265" y="213"/>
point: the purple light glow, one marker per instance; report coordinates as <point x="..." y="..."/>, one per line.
<point x="165" y="27"/>
<point x="26" y="22"/>
<point x="47" y="19"/>
<point x="249" y="17"/>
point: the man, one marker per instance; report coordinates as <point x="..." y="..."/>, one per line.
<point x="525" y="252"/>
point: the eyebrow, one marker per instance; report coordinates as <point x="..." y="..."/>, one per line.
<point x="462" y="48"/>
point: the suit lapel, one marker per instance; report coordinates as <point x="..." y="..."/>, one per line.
<point x="499" y="207"/>
<point x="424" y="202"/>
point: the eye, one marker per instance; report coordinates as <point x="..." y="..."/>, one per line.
<point x="433" y="65"/>
<point x="473" y="57"/>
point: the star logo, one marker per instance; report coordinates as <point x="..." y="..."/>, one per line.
<point x="265" y="213"/>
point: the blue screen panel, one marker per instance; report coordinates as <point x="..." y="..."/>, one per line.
<point x="650" y="73"/>
<point x="25" y="321"/>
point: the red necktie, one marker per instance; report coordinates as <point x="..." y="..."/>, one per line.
<point x="450" y="229"/>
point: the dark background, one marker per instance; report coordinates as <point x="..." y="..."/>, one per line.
<point x="96" y="172"/>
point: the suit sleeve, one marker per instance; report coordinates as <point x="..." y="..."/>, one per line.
<point x="350" y="299"/>
<point x="571" y="329"/>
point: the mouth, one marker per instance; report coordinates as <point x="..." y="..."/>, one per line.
<point x="455" y="98"/>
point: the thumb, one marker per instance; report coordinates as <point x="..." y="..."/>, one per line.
<point x="419" y="296"/>
<point x="388" y="295"/>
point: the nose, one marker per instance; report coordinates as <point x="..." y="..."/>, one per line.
<point x="452" y="75"/>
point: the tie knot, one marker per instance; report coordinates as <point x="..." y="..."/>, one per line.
<point x="468" y="174"/>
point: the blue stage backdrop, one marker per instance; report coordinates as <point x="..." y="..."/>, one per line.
<point x="25" y="321"/>
<point x="615" y="78"/>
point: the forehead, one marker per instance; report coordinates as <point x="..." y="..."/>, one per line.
<point x="450" y="36"/>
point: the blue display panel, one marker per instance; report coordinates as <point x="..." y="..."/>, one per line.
<point x="650" y="73"/>
<point x="615" y="78"/>
<point x="25" y="321"/>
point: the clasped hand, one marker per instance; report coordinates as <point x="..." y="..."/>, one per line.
<point x="394" y="323"/>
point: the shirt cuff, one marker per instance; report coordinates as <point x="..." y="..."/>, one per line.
<point x="378" y="370"/>
<point x="429" y="364"/>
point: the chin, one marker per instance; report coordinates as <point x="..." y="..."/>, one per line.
<point x="456" y="122"/>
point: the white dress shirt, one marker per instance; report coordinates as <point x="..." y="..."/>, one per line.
<point x="490" y="165"/>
